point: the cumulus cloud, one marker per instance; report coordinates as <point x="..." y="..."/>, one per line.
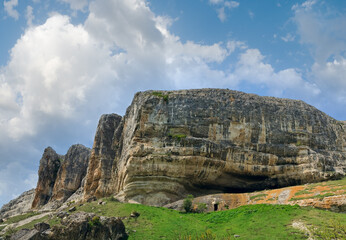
<point x="29" y="15"/>
<point x="252" y="68"/>
<point x="77" y="4"/>
<point x="288" y="38"/>
<point x="55" y="70"/>
<point x="221" y="7"/>
<point x="325" y="35"/>
<point x="9" y="8"/>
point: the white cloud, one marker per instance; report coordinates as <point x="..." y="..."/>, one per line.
<point x="222" y="6"/>
<point x="307" y="5"/>
<point x="9" y="8"/>
<point x="231" y="4"/>
<point x="288" y="38"/>
<point x="324" y="35"/>
<point x="233" y="45"/>
<point x="55" y="68"/>
<point x="252" y="68"/>
<point x="77" y="4"/>
<point x="251" y="14"/>
<point x="29" y="15"/>
<point x="221" y="14"/>
<point x="323" y="31"/>
<point x="331" y="76"/>
<point x="216" y="1"/>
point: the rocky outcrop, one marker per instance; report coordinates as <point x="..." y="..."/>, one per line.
<point x="79" y="226"/>
<point x="60" y="176"/>
<point x="18" y="206"/>
<point x="106" y="143"/>
<point x="47" y="173"/>
<point x="208" y="141"/>
<point x="88" y="226"/>
<point x="71" y="172"/>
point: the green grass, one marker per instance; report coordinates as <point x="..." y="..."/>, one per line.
<point x="161" y="95"/>
<point x="320" y="196"/>
<point x="177" y="136"/>
<point x="250" y="222"/>
<point x="302" y="192"/>
<point x="18" y="218"/>
<point x="258" y="196"/>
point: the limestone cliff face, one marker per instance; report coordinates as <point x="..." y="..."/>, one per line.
<point x="49" y="167"/>
<point x="98" y="180"/>
<point x="60" y="176"/>
<point x="207" y="141"/>
<point x="71" y="172"/>
<point x="18" y="205"/>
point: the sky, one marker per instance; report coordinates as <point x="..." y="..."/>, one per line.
<point x="63" y="63"/>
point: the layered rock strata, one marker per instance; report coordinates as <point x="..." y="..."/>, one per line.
<point x="60" y="176"/>
<point x="208" y="141"/>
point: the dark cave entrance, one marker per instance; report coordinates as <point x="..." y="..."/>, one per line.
<point x="216" y="207"/>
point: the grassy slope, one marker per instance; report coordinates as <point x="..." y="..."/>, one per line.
<point x="250" y="222"/>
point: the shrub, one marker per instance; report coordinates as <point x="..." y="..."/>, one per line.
<point x="161" y="95"/>
<point x="113" y="199"/>
<point x="201" y="207"/>
<point x="95" y="221"/>
<point x="187" y="204"/>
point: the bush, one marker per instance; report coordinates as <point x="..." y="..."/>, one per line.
<point x="95" y="221"/>
<point x="201" y="207"/>
<point x="113" y="199"/>
<point x="187" y="204"/>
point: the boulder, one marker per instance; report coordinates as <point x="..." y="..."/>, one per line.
<point x="83" y="226"/>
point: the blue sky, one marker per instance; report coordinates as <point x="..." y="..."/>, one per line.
<point x="63" y="63"/>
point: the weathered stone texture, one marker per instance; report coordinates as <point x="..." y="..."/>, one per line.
<point x="83" y="226"/>
<point x="19" y="205"/>
<point x="72" y="171"/>
<point x="212" y="140"/>
<point x="98" y="180"/>
<point x="60" y="176"/>
<point x="49" y="167"/>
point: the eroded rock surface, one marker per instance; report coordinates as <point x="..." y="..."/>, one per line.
<point x="47" y="173"/>
<point x="72" y="171"/>
<point x="79" y="226"/>
<point x="208" y="141"/>
<point x="84" y="226"/>
<point x="106" y="143"/>
<point x="19" y="205"/>
<point x="60" y="176"/>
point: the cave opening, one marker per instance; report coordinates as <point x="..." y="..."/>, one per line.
<point x="216" y="207"/>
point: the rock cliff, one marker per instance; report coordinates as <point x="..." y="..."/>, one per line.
<point x="206" y="141"/>
<point x="98" y="181"/>
<point x="71" y="172"/>
<point x="19" y="205"/>
<point x="47" y="173"/>
<point x="60" y="176"/>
